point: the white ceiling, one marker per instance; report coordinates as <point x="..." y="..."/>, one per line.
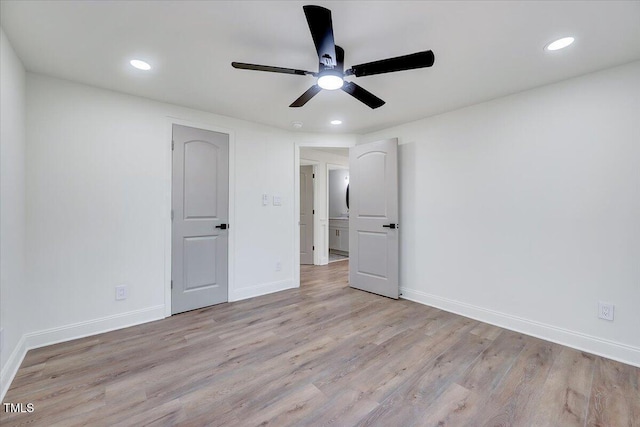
<point x="483" y="49"/>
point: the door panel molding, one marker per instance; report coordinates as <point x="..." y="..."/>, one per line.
<point x="199" y="152"/>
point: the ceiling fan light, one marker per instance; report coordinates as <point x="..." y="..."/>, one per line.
<point x="330" y="81"/>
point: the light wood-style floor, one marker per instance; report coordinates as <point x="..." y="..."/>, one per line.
<point x="321" y="355"/>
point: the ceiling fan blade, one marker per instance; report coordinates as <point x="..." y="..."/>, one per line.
<point x="243" y="66"/>
<point x="362" y="95"/>
<point x="399" y="63"/>
<point x="339" y="58"/>
<point x="305" y="97"/>
<point x="321" y="27"/>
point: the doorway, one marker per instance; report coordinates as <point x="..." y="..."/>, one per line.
<point x="373" y="238"/>
<point x="338" y="196"/>
<point x="323" y="160"/>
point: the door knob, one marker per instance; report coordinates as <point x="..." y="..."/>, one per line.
<point x="392" y="226"/>
<point x="222" y="226"/>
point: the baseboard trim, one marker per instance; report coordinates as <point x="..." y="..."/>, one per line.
<point x="602" y="347"/>
<point x="260" y="289"/>
<point x="74" y="331"/>
<point x="10" y="369"/>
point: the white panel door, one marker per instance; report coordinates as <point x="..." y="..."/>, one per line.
<point x="200" y="209"/>
<point x="306" y="214"/>
<point x="373" y="217"/>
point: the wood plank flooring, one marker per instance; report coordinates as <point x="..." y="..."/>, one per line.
<point x="321" y="355"/>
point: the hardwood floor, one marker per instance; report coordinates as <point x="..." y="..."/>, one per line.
<point x="320" y="355"/>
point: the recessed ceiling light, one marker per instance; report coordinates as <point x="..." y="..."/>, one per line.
<point x="560" y="43"/>
<point x="140" y="65"/>
<point x="336" y="122"/>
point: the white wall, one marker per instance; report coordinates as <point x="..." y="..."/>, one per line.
<point x="322" y="161"/>
<point x="13" y="303"/>
<point x="525" y="211"/>
<point x="98" y="195"/>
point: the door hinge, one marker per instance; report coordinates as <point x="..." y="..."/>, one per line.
<point x="172" y="145"/>
<point x="313" y="175"/>
<point x="172" y="284"/>
<point x="313" y="211"/>
<point x="313" y="248"/>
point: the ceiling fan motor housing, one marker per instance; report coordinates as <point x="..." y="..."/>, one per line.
<point x="331" y="77"/>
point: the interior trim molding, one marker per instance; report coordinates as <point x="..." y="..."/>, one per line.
<point x="260" y="289"/>
<point x="74" y="331"/>
<point x="602" y="347"/>
<point x="10" y="368"/>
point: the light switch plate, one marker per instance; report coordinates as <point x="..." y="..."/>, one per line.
<point x="265" y="199"/>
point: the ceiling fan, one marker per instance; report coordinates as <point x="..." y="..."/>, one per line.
<point x="331" y="72"/>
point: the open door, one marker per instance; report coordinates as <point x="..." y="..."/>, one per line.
<point x="373" y="217"/>
<point x="306" y="215"/>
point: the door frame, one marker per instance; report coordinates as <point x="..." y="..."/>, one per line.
<point x="296" y="204"/>
<point x="330" y="167"/>
<point x="170" y="121"/>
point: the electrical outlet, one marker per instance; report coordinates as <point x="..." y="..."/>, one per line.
<point x="278" y="266"/>
<point x="605" y="310"/>
<point x="277" y="201"/>
<point x="121" y="292"/>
